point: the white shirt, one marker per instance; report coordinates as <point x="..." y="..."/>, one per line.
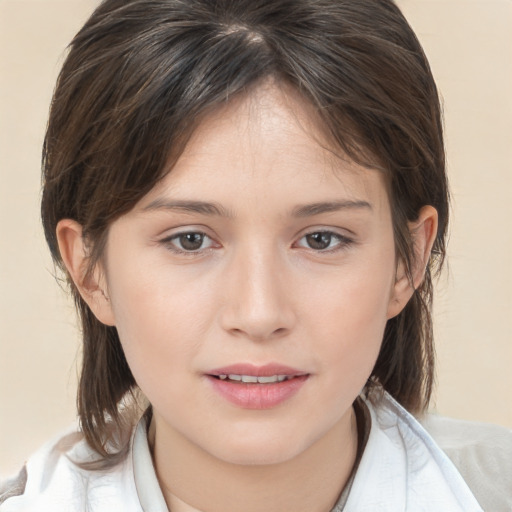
<point x="402" y="469"/>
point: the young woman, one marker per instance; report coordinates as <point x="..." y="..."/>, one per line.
<point x="249" y="201"/>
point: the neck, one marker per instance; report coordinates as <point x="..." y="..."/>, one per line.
<point x="193" y="480"/>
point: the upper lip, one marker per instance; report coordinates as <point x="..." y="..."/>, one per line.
<point x="266" y="370"/>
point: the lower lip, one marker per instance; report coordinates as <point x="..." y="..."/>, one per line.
<point x="257" y="396"/>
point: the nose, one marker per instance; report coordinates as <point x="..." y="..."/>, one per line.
<point x="258" y="303"/>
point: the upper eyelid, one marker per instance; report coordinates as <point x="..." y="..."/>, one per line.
<point x="331" y="231"/>
<point x="185" y="228"/>
<point x="343" y="239"/>
<point x="174" y="236"/>
<point x="186" y="232"/>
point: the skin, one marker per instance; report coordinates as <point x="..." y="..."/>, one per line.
<point x="258" y="290"/>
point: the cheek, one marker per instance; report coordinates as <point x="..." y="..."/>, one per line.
<point x="353" y="300"/>
<point x="349" y="315"/>
<point x="160" y="319"/>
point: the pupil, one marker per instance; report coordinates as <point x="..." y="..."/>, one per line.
<point x="191" y="241"/>
<point x="319" y="240"/>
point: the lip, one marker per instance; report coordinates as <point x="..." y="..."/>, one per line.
<point x="257" y="396"/>
<point x="266" y="370"/>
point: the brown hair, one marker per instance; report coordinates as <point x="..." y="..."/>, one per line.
<point x="140" y="74"/>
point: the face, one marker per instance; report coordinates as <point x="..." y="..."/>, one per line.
<point x="251" y="287"/>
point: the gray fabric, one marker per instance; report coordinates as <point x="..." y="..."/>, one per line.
<point x="13" y="486"/>
<point x="483" y="455"/>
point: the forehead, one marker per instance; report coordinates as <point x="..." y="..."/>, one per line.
<point x="266" y="141"/>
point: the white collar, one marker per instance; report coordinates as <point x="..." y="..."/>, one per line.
<point x="403" y="469"/>
<point x="146" y="482"/>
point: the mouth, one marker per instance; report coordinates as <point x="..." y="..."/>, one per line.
<point x="253" y="379"/>
<point x="247" y="373"/>
<point x="257" y="387"/>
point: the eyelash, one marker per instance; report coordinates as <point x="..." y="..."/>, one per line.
<point x="169" y="243"/>
<point x="343" y="242"/>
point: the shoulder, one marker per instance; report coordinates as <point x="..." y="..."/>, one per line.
<point x="483" y="455"/>
<point x="54" y="479"/>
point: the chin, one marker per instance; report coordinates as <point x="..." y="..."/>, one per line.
<point x="256" y="458"/>
<point x="260" y="450"/>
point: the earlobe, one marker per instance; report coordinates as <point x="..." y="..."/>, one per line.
<point x="423" y="234"/>
<point x="91" y="285"/>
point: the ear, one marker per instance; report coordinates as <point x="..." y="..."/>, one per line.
<point x="423" y="234"/>
<point x="91" y="285"/>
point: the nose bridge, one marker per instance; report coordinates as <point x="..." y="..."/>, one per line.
<point x="258" y="301"/>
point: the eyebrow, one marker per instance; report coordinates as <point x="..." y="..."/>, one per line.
<point x="200" y="207"/>
<point x="308" y="210"/>
<point x="215" y="209"/>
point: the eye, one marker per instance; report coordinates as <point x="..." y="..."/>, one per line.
<point x="324" y="241"/>
<point x="189" y="242"/>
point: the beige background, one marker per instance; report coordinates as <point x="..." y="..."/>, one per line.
<point x="470" y="47"/>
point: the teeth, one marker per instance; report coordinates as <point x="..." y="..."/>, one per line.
<point x="253" y="379"/>
<point x="267" y="380"/>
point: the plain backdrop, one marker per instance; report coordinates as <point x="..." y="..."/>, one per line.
<point x="469" y="44"/>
